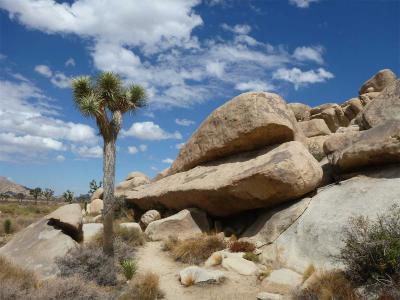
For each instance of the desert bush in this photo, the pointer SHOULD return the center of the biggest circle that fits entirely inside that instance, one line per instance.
(147, 287)
(7, 226)
(371, 254)
(197, 249)
(131, 236)
(8, 271)
(241, 246)
(251, 256)
(169, 243)
(71, 288)
(90, 263)
(327, 286)
(129, 268)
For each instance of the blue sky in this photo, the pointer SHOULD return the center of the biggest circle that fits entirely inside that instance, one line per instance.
(191, 55)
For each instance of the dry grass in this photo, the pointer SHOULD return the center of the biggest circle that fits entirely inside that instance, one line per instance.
(9, 271)
(132, 237)
(147, 287)
(197, 249)
(241, 246)
(308, 272)
(327, 286)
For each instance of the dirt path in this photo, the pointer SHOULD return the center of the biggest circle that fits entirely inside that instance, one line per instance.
(151, 257)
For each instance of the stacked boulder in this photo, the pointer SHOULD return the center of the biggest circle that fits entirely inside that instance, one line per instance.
(247, 154)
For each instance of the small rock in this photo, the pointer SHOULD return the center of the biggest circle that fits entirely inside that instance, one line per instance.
(131, 226)
(282, 281)
(239, 265)
(150, 216)
(268, 296)
(214, 260)
(194, 275)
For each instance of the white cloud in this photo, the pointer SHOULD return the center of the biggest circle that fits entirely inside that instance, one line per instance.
(254, 85)
(300, 78)
(168, 161)
(215, 68)
(87, 152)
(184, 122)
(133, 150)
(179, 146)
(60, 158)
(302, 3)
(43, 70)
(70, 62)
(309, 53)
(154, 168)
(61, 81)
(149, 131)
(30, 124)
(238, 28)
(143, 147)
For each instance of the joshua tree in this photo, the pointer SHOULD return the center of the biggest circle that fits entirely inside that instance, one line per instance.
(36, 193)
(106, 100)
(68, 196)
(48, 194)
(93, 186)
(20, 197)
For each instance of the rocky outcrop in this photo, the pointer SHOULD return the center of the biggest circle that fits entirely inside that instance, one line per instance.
(314, 127)
(149, 216)
(332, 114)
(383, 108)
(250, 180)
(317, 235)
(95, 207)
(249, 121)
(315, 146)
(301, 111)
(37, 246)
(133, 180)
(378, 82)
(184, 224)
(376, 146)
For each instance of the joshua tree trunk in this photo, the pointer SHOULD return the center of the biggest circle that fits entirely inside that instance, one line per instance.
(108, 195)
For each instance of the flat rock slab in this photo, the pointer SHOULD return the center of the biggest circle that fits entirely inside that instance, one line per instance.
(239, 265)
(316, 237)
(249, 121)
(247, 181)
(37, 246)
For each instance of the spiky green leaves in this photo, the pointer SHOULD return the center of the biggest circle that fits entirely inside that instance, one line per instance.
(109, 86)
(90, 105)
(137, 95)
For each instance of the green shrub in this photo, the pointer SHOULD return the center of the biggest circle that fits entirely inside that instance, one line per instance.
(129, 268)
(7, 226)
(371, 254)
(251, 256)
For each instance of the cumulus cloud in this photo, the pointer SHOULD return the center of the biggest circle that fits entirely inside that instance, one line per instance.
(70, 62)
(152, 43)
(168, 161)
(133, 150)
(44, 70)
(30, 123)
(302, 3)
(302, 78)
(254, 85)
(87, 152)
(184, 122)
(143, 147)
(56, 78)
(309, 53)
(60, 158)
(149, 131)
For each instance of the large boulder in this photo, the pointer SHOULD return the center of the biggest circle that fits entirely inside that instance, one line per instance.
(150, 216)
(95, 207)
(133, 180)
(378, 82)
(91, 230)
(271, 223)
(301, 111)
(314, 127)
(385, 107)
(352, 108)
(333, 116)
(37, 246)
(316, 237)
(315, 145)
(136, 175)
(250, 180)
(355, 150)
(249, 121)
(184, 224)
(98, 194)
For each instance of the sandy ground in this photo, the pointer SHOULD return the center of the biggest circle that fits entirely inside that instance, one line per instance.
(151, 257)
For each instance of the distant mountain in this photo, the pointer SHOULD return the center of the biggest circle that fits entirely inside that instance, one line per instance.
(7, 186)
